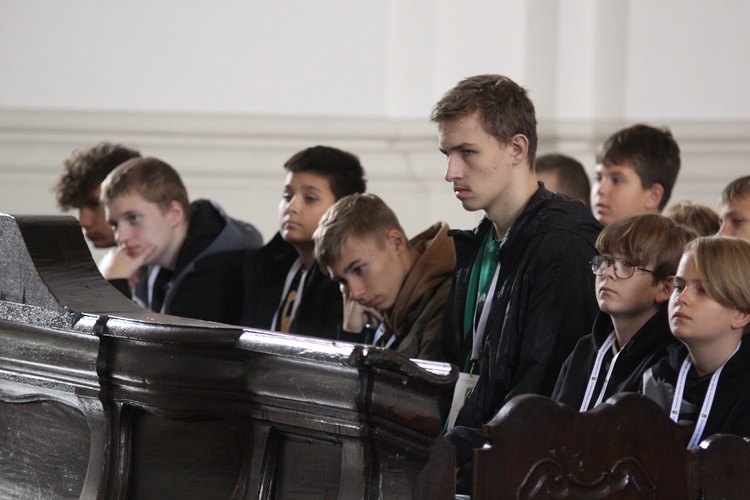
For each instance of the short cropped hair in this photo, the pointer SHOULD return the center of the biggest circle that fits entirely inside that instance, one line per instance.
(504, 108)
(700, 218)
(738, 188)
(154, 180)
(571, 175)
(86, 169)
(652, 152)
(723, 264)
(646, 238)
(342, 169)
(359, 216)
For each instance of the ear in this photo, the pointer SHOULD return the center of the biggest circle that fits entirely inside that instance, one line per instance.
(520, 148)
(397, 239)
(176, 212)
(741, 319)
(664, 290)
(654, 195)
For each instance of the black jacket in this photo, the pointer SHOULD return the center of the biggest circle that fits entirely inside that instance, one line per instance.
(646, 348)
(730, 413)
(207, 280)
(322, 308)
(543, 304)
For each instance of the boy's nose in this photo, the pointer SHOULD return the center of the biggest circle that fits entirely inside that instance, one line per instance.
(453, 170)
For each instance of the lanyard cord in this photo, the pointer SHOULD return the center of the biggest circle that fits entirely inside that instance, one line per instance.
(481, 325)
(608, 343)
(708, 400)
(287, 285)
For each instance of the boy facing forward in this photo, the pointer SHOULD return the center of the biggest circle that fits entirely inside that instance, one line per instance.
(398, 285)
(637, 256)
(285, 290)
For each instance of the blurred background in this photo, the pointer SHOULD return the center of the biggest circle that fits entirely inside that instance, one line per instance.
(227, 90)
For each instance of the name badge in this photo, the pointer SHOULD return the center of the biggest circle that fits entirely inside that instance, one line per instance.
(464, 385)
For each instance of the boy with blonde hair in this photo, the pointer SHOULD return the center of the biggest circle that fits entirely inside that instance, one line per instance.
(397, 285)
(706, 378)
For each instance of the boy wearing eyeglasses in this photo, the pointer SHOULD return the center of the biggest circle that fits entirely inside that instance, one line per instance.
(638, 254)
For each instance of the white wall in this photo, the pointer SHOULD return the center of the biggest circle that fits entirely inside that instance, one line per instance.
(227, 90)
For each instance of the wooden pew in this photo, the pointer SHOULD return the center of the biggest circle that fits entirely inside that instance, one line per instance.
(100, 399)
(627, 448)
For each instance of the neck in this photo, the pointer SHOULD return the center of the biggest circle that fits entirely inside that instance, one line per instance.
(307, 254)
(709, 356)
(510, 204)
(169, 259)
(627, 326)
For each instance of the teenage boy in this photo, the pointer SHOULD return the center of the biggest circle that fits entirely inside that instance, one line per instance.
(734, 210)
(398, 285)
(79, 187)
(636, 169)
(285, 291)
(522, 294)
(565, 175)
(195, 246)
(638, 254)
(706, 379)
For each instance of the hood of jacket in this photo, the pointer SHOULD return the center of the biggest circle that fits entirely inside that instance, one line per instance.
(432, 268)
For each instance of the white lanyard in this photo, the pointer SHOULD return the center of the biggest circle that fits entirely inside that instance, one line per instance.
(708, 400)
(606, 346)
(287, 285)
(479, 327)
(379, 333)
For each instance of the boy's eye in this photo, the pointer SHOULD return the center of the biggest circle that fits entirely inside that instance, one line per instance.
(311, 199)
(357, 270)
(467, 152)
(627, 264)
(286, 197)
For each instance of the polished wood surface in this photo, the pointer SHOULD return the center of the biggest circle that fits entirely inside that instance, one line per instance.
(100, 399)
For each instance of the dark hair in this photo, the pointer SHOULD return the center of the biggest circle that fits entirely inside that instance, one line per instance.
(738, 188)
(86, 169)
(342, 169)
(644, 238)
(652, 152)
(571, 175)
(154, 180)
(504, 106)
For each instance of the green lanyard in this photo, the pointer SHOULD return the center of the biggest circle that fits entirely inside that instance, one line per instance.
(480, 281)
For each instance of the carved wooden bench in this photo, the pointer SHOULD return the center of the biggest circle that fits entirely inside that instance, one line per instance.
(100, 399)
(627, 448)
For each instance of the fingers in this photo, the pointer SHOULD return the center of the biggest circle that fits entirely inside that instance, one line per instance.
(117, 264)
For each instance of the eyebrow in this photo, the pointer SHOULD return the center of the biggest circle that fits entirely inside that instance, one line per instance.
(458, 146)
(351, 265)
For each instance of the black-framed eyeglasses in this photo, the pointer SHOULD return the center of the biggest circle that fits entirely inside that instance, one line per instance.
(624, 269)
